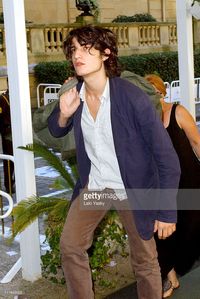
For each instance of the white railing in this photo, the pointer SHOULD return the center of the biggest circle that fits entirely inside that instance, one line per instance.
(10, 202)
(173, 95)
(51, 93)
(5, 194)
(47, 93)
(173, 90)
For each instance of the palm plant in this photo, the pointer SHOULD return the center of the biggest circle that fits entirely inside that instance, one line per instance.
(26, 211)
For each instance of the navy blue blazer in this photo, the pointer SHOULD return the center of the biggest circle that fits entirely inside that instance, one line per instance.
(146, 157)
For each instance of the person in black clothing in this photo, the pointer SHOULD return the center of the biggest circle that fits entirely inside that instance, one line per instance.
(178, 253)
(6, 136)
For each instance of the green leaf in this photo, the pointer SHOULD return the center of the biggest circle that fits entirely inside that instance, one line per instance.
(28, 210)
(52, 159)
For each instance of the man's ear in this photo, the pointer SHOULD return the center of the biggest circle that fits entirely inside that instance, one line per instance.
(107, 53)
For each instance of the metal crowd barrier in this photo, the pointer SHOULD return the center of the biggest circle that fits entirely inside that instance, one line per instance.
(46, 93)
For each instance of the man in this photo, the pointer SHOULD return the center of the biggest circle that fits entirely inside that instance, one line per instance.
(121, 147)
(6, 136)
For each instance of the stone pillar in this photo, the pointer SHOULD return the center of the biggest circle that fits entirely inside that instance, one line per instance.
(164, 35)
(37, 40)
(133, 36)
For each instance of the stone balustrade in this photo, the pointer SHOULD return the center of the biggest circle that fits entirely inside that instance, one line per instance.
(44, 42)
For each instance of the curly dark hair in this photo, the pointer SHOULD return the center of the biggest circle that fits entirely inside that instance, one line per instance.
(99, 38)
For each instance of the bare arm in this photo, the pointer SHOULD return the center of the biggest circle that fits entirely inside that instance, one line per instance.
(187, 123)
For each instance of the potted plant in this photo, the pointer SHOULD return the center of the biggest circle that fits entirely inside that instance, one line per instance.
(86, 6)
(195, 9)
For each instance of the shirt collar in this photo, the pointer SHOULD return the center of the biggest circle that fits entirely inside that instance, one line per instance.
(104, 97)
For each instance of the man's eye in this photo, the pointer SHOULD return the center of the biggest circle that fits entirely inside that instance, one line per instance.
(86, 48)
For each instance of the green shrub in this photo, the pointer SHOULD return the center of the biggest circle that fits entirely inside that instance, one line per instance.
(164, 64)
(136, 18)
(53, 72)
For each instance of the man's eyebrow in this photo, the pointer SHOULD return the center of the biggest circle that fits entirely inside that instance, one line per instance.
(72, 47)
(84, 44)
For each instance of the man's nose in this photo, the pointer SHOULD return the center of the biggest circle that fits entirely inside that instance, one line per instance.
(77, 53)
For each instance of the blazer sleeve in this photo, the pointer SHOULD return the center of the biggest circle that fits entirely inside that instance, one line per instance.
(54, 127)
(157, 139)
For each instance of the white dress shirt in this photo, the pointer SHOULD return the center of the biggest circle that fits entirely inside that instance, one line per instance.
(99, 145)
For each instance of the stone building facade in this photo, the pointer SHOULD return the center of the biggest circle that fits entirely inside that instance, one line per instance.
(65, 11)
(48, 20)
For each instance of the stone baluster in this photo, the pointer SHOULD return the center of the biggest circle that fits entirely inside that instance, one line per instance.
(157, 35)
(59, 39)
(47, 39)
(52, 39)
(122, 39)
(172, 35)
(28, 38)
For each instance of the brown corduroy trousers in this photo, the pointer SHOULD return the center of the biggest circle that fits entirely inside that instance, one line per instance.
(77, 237)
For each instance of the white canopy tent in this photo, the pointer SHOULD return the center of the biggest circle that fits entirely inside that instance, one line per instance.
(21, 111)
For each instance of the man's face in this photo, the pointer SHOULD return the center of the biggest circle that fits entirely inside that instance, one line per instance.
(86, 60)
